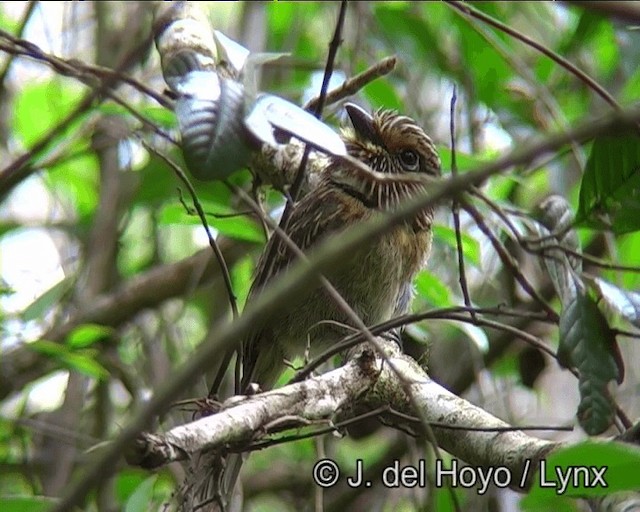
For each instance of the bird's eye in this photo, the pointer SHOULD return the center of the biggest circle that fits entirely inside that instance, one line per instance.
(409, 160)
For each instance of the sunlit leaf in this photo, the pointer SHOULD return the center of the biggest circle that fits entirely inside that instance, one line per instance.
(87, 334)
(82, 361)
(240, 227)
(27, 503)
(242, 275)
(143, 495)
(85, 363)
(432, 289)
(41, 105)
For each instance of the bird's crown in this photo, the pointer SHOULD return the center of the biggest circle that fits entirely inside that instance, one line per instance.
(390, 142)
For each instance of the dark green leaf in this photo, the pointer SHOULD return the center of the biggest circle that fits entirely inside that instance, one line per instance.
(611, 185)
(487, 67)
(587, 342)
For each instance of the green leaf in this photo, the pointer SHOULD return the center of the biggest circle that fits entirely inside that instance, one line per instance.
(621, 474)
(87, 334)
(470, 246)
(380, 92)
(82, 361)
(143, 495)
(488, 69)
(85, 363)
(77, 180)
(240, 227)
(464, 162)
(39, 307)
(611, 185)
(418, 36)
(241, 279)
(27, 503)
(587, 342)
(631, 90)
(40, 106)
(432, 289)
(49, 348)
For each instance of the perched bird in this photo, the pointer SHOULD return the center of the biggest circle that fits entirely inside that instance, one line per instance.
(375, 280)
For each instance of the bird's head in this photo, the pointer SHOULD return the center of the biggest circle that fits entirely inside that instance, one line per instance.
(400, 161)
(389, 142)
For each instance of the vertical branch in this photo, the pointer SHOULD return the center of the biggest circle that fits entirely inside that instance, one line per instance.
(455, 208)
(299, 178)
(224, 270)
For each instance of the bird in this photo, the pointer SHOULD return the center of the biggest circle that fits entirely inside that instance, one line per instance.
(394, 160)
(376, 280)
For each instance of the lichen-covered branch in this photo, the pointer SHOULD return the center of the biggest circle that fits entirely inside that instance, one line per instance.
(365, 379)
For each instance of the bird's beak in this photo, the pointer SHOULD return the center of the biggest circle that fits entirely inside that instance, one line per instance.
(362, 123)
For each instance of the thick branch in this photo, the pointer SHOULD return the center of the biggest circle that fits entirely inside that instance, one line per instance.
(363, 379)
(312, 399)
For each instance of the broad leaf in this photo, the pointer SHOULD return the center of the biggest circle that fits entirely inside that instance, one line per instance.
(621, 474)
(587, 342)
(610, 188)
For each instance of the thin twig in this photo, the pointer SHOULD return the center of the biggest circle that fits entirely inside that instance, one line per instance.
(353, 85)
(214, 246)
(507, 259)
(468, 10)
(26, 16)
(270, 253)
(455, 207)
(461, 314)
(76, 68)
(19, 169)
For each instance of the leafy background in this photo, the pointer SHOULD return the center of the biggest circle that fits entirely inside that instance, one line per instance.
(96, 215)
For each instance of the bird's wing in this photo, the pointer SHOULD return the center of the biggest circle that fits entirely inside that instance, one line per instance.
(318, 215)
